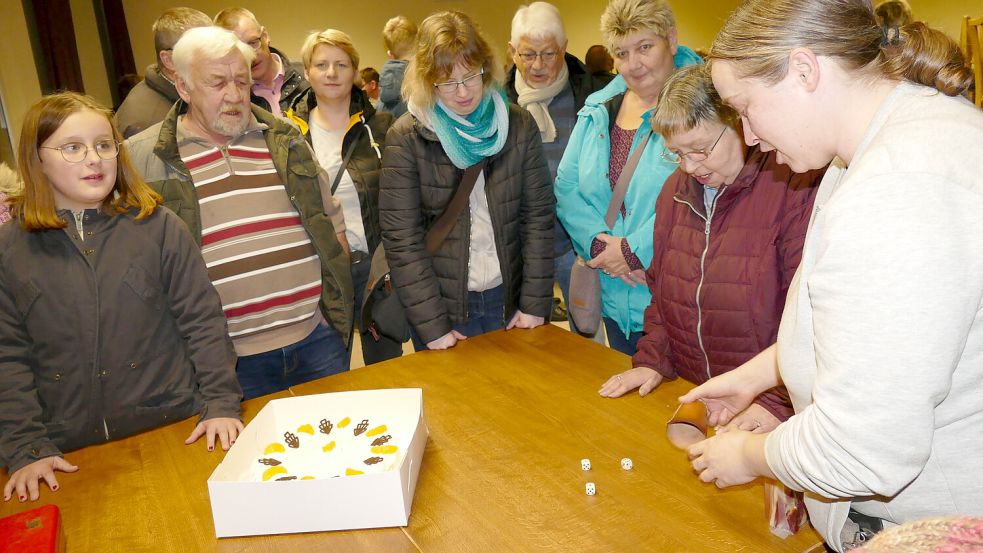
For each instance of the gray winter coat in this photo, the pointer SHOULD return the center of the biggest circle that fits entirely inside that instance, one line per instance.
(106, 336)
(419, 180)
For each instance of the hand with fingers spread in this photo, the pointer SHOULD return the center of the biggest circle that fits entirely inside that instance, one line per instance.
(224, 428)
(728, 394)
(24, 481)
(610, 260)
(447, 341)
(643, 378)
(730, 459)
(523, 320)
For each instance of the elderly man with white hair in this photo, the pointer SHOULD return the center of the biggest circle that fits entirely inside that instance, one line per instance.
(250, 190)
(553, 85)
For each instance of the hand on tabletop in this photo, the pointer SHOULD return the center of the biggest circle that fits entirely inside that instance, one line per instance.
(225, 428)
(730, 459)
(523, 320)
(755, 419)
(643, 378)
(725, 396)
(610, 260)
(447, 341)
(24, 481)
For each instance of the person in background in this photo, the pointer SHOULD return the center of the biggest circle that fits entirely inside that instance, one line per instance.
(250, 189)
(150, 100)
(893, 13)
(881, 341)
(10, 185)
(553, 85)
(110, 326)
(613, 122)
(599, 62)
(338, 120)
(399, 37)
(368, 79)
(495, 268)
(730, 210)
(277, 83)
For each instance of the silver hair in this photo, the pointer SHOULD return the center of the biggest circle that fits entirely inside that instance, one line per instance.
(206, 43)
(538, 21)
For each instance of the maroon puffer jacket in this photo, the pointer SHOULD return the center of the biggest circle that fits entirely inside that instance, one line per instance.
(719, 285)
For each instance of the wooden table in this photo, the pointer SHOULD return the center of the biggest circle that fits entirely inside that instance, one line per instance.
(510, 416)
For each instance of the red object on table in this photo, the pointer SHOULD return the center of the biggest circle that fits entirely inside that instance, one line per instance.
(35, 531)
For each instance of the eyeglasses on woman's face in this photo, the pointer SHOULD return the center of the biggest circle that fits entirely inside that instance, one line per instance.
(695, 156)
(76, 152)
(472, 82)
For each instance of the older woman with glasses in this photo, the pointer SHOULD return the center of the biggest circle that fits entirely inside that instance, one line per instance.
(612, 125)
(729, 227)
(494, 269)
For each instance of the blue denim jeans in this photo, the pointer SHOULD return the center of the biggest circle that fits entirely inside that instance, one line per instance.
(321, 354)
(617, 340)
(486, 312)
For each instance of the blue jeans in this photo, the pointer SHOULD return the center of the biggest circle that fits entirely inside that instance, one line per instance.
(486, 312)
(617, 340)
(321, 354)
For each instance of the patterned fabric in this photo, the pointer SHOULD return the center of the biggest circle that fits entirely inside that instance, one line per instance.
(258, 255)
(467, 140)
(621, 140)
(4, 209)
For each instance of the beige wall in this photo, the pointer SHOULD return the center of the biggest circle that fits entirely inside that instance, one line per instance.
(18, 77)
(94, 72)
(698, 22)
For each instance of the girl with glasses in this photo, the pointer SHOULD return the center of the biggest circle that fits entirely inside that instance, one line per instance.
(108, 323)
(729, 226)
(495, 267)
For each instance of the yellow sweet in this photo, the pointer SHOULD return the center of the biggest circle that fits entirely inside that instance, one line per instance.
(344, 422)
(384, 449)
(307, 478)
(306, 429)
(273, 471)
(275, 447)
(353, 472)
(376, 431)
(328, 447)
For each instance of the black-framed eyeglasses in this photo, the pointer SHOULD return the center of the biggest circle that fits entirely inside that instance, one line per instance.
(474, 81)
(530, 57)
(695, 156)
(76, 152)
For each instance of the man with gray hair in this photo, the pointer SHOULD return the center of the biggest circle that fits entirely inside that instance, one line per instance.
(553, 85)
(247, 185)
(152, 98)
(277, 83)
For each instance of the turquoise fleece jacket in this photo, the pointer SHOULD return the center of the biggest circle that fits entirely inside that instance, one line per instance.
(583, 193)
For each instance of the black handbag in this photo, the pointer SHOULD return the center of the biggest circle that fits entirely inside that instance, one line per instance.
(382, 311)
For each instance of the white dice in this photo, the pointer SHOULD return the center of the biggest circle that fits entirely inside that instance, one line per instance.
(626, 463)
(591, 489)
(585, 464)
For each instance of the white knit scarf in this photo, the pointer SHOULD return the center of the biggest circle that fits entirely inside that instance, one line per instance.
(537, 100)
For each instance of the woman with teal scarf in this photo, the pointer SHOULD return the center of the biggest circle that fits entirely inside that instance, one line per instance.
(611, 126)
(495, 268)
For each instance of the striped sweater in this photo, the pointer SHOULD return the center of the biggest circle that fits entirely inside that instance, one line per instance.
(258, 255)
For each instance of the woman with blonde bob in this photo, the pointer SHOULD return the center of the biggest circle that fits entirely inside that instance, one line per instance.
(109, 323)
(494, 269)
(612, 125)
(881, 341)
(729, 211)
(347, 135)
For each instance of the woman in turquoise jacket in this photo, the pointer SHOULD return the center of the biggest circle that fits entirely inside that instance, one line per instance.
(613, 122)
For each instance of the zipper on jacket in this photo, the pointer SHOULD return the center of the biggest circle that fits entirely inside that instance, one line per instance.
(79, 227)
(707, 220)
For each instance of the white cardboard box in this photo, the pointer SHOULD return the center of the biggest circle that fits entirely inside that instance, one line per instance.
(245, 506)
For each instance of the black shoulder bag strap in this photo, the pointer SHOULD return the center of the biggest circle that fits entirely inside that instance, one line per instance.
(445, 224)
